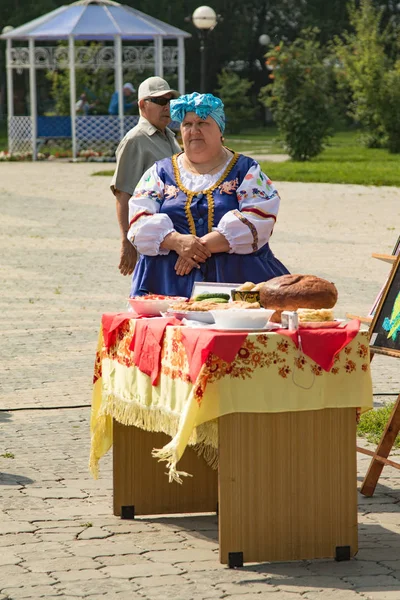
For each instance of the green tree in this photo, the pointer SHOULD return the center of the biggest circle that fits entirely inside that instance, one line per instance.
(300, 96)
(234, 42)
(233, 91)
(389, 108)
(361, 67)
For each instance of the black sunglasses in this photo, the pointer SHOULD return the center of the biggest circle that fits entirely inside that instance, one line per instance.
(160, 101)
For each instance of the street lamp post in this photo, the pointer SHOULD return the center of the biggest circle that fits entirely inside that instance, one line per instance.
(205, 19)
(264, 39)
(10, 100)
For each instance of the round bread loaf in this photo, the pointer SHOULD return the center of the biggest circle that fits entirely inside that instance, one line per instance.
(290, 292)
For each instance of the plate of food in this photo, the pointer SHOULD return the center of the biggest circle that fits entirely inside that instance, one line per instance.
(202, 307)
(153, 304)
(322, 318)
(198, 308)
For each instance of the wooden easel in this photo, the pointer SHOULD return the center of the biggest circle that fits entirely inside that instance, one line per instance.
(380, 456)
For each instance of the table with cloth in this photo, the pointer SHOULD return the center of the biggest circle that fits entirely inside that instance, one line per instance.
(274, 413)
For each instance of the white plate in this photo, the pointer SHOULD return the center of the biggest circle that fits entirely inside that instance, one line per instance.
(268, 327)
(192, 315)
(142, 306)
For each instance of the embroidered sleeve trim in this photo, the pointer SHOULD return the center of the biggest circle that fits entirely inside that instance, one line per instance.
(208, 192)
(139, 215)
(260, 213)
(250, 226)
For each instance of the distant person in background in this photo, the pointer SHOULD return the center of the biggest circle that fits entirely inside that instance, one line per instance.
(128, 90)
(148, 141)
(83, 106)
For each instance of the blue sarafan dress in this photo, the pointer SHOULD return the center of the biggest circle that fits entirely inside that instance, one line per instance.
(240, 202)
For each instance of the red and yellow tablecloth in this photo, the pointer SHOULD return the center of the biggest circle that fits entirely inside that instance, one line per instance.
(268, 373)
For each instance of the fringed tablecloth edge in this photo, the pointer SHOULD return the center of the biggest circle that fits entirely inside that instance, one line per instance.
(204, 439)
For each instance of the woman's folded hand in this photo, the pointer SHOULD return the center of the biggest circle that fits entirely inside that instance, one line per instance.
(187, 246)
(183, 266)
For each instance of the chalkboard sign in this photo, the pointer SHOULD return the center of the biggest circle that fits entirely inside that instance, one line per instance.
(395, 252)
(385, 326)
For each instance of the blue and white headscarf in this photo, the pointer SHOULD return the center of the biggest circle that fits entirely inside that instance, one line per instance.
(204, 105)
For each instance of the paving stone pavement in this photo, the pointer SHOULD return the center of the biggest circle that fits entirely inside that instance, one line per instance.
(59, 253)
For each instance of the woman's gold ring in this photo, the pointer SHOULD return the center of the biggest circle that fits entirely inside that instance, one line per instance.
(194, 256)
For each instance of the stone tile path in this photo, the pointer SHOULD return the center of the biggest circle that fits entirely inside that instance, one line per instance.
(58, 271)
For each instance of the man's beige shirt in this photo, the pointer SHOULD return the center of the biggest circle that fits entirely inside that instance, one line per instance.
(138, 151)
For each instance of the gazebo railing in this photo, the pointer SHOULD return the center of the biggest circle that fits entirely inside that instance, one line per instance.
(100, 133)
(138, 58)
(20, 135)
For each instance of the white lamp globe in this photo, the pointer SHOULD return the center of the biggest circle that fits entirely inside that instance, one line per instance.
(204, 17)
(264, 39)
(7, 29)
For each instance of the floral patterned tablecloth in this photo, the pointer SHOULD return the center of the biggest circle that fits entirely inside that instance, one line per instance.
(268, 374)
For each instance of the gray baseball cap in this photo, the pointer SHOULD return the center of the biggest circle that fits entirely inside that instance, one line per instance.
(153, 87)
(129, 86)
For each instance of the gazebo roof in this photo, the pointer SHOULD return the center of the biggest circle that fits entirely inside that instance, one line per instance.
(95, 20)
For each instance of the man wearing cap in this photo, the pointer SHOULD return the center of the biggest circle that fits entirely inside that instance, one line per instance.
(148, 141)
(127, 90)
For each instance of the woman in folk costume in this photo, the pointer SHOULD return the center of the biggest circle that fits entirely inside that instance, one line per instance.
(205, 214)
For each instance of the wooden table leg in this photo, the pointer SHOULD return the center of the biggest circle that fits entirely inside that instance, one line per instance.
(140, 481)
(287, 485)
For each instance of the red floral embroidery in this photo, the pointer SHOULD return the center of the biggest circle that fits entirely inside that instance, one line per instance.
(300, 361)
(284, 371)
(362, 350)
(350, 366)
(316, 369)
(97, 368)
(263, 340)
(256, 358)
(174, 361)
(283, 346)
(252, 355)
(249, 358)
(347, 350)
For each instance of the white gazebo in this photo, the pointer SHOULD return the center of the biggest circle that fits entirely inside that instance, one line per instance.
(89, 20)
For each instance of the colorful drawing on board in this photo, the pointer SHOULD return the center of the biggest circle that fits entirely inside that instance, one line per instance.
(392, 325)
(395, 252)
(385, 326)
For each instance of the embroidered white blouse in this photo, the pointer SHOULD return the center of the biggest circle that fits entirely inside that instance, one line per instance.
(256, 191)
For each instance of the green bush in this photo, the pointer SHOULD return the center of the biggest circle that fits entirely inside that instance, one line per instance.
(300, 95)
(389, 108)
(233, 91)
(372, 424)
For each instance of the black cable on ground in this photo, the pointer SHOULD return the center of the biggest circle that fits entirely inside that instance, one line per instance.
(44, 407)
(89, 405)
